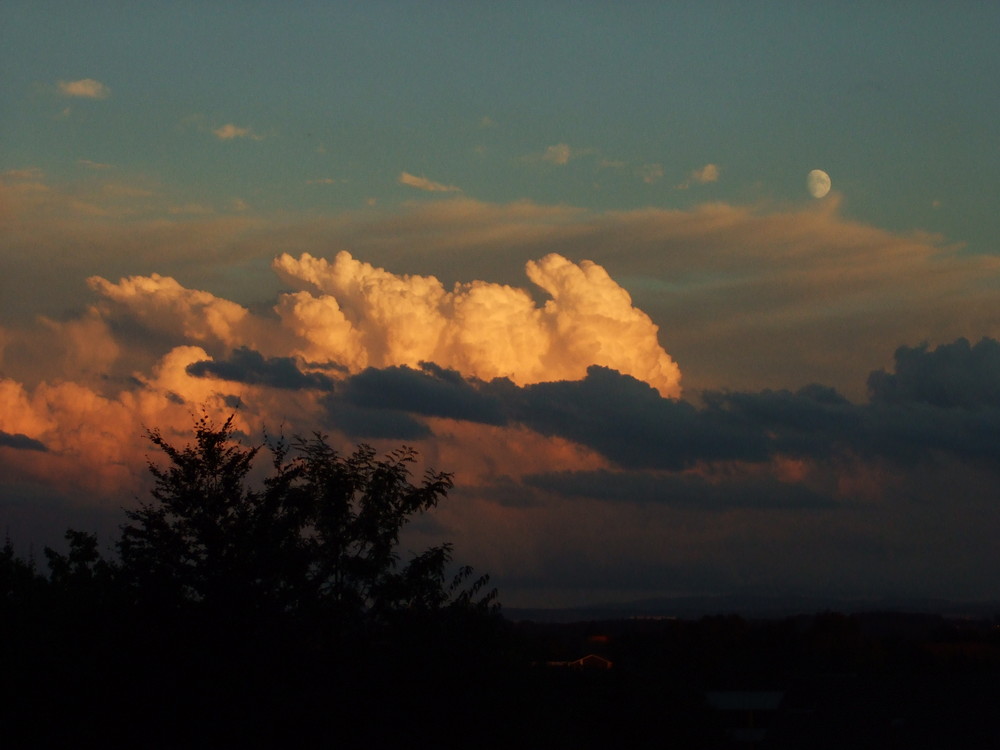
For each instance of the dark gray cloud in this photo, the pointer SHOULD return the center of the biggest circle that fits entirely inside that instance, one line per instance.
(944, 401)
(21, 442)
(431, 391)
(955, 375)
(250, 367)
(630, 423)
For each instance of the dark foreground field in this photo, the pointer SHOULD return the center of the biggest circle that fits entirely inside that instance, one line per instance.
(84, 675)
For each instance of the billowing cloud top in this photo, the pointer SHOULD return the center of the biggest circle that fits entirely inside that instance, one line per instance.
(350, 312)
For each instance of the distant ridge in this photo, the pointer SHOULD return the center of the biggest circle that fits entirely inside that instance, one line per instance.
(752, 607)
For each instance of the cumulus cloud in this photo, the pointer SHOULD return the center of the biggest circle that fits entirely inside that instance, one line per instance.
(951, 375)
(85, 88)
(229, 131)
(161, 304)
(422, 183)
(361, 316)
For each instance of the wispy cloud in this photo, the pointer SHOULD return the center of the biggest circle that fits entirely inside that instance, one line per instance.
(422, 183)
(92, 164)
(229, 131)
(85, 88)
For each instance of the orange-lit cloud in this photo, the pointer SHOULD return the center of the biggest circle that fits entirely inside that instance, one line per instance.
(359, 315)
(161, 304)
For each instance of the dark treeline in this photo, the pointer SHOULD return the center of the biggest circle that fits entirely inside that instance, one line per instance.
(279, 613)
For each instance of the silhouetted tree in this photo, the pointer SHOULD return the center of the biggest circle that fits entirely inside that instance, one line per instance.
(320, 534)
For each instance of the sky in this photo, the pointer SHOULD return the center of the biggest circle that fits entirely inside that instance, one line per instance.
(566, 251)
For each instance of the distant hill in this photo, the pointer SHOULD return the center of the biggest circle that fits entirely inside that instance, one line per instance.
(750, 606)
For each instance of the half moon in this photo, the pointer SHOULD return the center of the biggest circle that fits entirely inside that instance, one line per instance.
(818, 183)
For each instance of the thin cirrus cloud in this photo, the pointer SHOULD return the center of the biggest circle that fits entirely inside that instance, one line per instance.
(422, 183)
(85, 88)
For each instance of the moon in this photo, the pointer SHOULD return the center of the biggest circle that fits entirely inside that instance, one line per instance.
(818, 183)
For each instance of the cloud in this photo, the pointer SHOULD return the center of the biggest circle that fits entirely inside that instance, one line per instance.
(93, 164)
(161, 304)
(564, 470)
(634, 427)
(430, 391)
(701, 176)
(229, 131)
(708, 173)
(85, 88)
(746, 297)
(247, 366)
(422, 183)
(954, 375)
(20, 442)
(361, 316)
